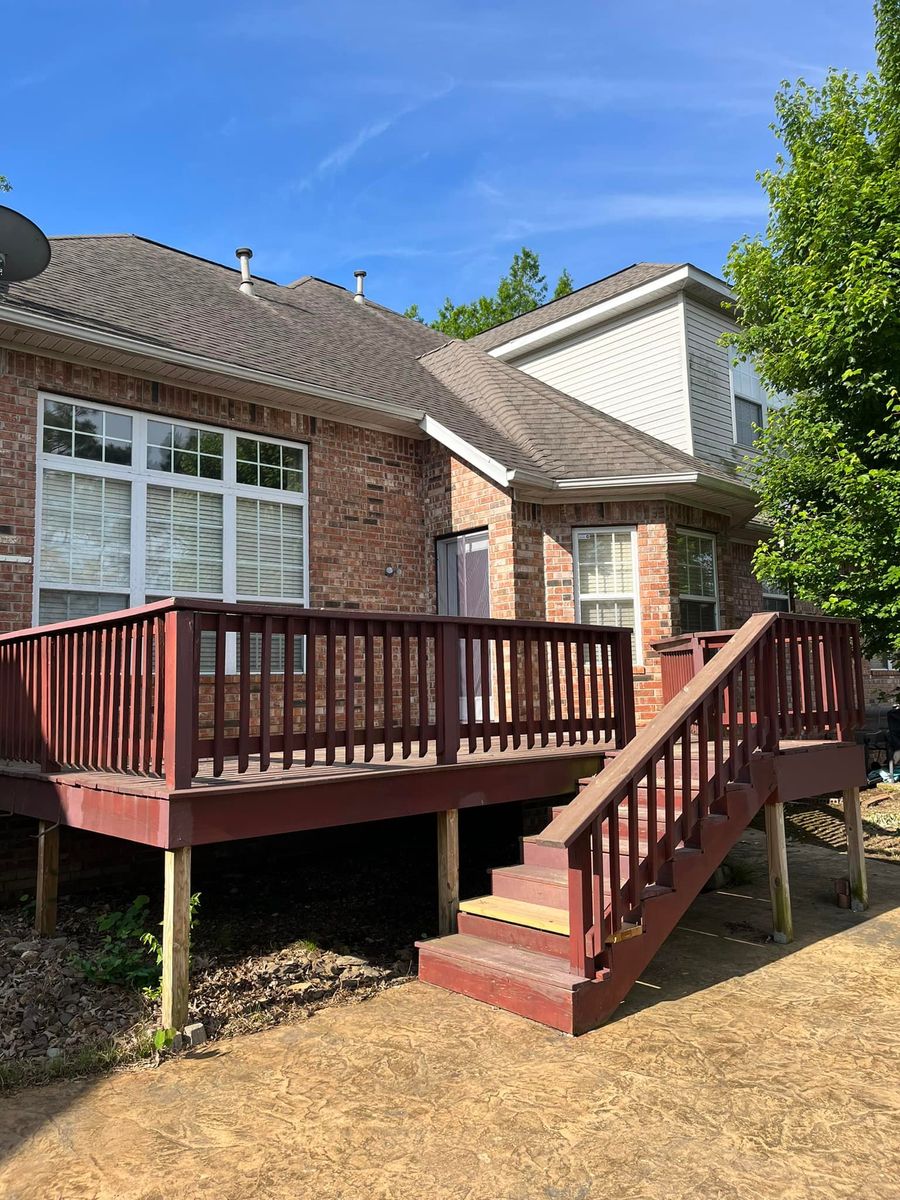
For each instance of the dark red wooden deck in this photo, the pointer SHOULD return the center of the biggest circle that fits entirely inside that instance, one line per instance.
(153, 725)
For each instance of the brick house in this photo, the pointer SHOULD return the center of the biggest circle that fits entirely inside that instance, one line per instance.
(179, 434)
(220, 492)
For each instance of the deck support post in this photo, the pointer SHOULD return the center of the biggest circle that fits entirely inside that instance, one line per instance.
(176, 937)
(47, 879)
(448, 869)
(779, 883)
(859, 887)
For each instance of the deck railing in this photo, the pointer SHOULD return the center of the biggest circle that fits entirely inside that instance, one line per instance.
(778, 676)
(160, 690)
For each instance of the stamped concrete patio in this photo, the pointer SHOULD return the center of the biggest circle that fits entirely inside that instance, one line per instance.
(739, 1069)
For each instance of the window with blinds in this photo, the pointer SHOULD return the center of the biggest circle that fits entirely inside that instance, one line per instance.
(133, 507)
(605, 568)
(697, 582)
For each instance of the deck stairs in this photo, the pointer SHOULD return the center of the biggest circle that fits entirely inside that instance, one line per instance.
(564, 934)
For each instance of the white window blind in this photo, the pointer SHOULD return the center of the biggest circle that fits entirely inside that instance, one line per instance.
(606, 580)
(85, 531)
(184, 542)
(270, 551)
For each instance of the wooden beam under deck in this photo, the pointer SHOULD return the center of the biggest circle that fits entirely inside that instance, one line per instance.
(273, 802)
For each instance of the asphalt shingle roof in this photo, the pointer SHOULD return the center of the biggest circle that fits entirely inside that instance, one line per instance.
(313, 333)
(565, 306)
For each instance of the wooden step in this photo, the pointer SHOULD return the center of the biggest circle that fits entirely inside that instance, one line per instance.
(526, 982)
(519, 912)
(534, 885)
(526, 937)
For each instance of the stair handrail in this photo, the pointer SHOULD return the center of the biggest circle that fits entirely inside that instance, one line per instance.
(629, 764)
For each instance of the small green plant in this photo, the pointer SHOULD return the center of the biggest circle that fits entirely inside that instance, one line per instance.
(130, 954)
(163, 1039)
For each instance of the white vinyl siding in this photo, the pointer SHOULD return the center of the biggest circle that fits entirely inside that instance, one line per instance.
(134, 508)
(709, 373)
(606, 580)
(631, 368)
(698, 587)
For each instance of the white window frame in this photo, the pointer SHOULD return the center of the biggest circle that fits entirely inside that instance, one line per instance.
(769, 593)
(634, 595)
(683, 531)
(140, 477)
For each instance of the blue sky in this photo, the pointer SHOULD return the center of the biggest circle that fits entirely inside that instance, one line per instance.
(423, 142)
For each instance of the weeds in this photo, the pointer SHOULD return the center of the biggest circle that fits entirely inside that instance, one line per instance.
(130, 954)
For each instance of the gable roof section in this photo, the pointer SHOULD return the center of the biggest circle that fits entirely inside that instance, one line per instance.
(313, 334)
(555, 310)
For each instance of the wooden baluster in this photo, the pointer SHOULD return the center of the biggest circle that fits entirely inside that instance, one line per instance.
(244, 698)
(330, 691)
(405, 691)
(287, 708)
(350, 692)
(484, 663)
(669, 799)
(782, 704)
(180, 670)
(159, 693)
(606, 653)
(580, 892)
(387, 647)
(309, 738)
(595, 699)
(502, 724)
(369, 715)
(819, 724)
(104, 706)
(470, 688)
(718, 742)
(565, 645)
(124, 714)
(218, 732)
(543, 688)
(652, 831)
(599, 899)
(135, 658)
(634, 847)
(528, 669)
(446, 695)
(195, 691)
(746, 716)
(615, 879)
(422, 638)
(843, 676)
(265, 696)
(582, 688)
(732, 705)
(859, 713)
(703, 759)
(826, 666)
(514, 694)
(555, 646)
(791, 638)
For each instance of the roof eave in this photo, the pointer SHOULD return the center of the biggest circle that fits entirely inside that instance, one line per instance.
(682, 278)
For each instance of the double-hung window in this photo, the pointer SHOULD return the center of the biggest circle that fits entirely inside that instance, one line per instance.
(750, 399)
(606, 582)
(775, 598)
(134, 508)
(698, 593)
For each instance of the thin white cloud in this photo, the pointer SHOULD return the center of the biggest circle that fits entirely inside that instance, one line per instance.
(338, 157)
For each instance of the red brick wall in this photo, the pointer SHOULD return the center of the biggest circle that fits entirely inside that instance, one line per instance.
(366, 493)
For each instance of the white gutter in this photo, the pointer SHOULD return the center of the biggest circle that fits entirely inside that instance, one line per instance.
(198, 362)
(665, 285)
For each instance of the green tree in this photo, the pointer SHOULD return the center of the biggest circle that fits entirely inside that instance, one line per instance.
(5, 185)
(819, 303)
(523, 288)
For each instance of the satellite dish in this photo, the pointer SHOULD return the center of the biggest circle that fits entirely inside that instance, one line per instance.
(24, 251)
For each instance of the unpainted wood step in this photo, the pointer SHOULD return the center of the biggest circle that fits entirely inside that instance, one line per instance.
(549, 918)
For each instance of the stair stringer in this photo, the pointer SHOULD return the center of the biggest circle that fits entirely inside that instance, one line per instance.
(688, 872)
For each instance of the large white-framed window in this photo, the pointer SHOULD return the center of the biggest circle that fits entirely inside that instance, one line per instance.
(605, 568)
(133, 507)
(698, 584)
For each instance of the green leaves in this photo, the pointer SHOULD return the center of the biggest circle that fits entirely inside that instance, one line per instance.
(519, 291)
(819, 302)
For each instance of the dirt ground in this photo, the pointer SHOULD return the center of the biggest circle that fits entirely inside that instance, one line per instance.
(737, 1068)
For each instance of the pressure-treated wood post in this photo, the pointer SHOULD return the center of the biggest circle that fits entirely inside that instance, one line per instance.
(859, 888)
(47, 879)
(176, 937)
(448, 869)
(779, 884)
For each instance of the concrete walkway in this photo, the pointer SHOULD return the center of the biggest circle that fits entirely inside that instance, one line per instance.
(738, 1069)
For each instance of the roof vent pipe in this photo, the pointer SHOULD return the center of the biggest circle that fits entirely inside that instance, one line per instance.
(360, 296)
(244, 254)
